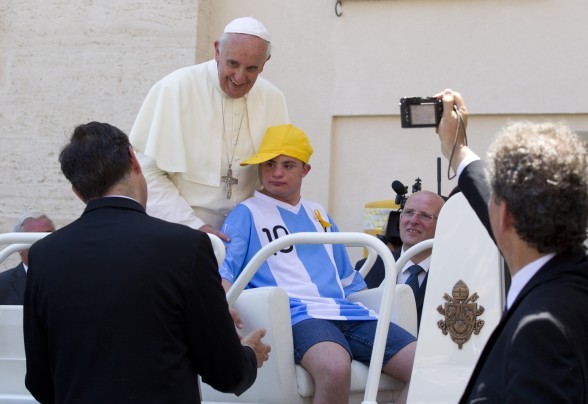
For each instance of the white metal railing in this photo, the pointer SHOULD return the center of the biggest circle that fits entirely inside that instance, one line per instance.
(21, 241)
(17, 242)
(218, 247)
(369, 261)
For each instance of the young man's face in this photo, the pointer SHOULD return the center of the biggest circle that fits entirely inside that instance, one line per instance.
(240, 60)
(281, 178)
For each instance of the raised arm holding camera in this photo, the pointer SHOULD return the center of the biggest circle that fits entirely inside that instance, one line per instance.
(533, 198)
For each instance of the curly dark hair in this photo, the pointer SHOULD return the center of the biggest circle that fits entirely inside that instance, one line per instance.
(96, 158)
(541, 172)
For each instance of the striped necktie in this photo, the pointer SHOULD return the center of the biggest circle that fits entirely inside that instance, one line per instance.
(413, 279)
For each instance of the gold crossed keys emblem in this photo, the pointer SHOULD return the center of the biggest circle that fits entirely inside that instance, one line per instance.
(461, 313)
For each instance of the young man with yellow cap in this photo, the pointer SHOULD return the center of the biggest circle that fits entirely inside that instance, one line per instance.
(328, 329)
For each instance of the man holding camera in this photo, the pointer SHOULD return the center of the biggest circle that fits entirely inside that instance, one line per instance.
(533, 196)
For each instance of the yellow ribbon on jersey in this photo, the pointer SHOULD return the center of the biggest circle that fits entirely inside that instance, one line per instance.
(323, 223)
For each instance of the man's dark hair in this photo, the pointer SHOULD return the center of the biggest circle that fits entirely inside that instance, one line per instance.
(96, 158)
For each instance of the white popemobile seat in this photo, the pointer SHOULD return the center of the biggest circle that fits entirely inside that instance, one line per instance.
(462, 251)
(280, 380)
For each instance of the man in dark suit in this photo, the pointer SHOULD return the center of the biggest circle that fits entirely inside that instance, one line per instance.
(121, 307)
(534, 201)
(13, 281)
(418, 222)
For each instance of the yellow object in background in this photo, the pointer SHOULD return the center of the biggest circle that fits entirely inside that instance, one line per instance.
(375, 216)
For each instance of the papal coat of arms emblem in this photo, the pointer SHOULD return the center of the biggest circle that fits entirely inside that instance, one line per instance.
(461, 314)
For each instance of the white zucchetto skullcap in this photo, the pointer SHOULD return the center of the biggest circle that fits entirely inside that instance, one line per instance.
(249, 26)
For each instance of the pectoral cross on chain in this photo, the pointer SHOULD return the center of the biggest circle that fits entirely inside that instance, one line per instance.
(230, 181)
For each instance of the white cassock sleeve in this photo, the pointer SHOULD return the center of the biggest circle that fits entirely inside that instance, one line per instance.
(164, 197)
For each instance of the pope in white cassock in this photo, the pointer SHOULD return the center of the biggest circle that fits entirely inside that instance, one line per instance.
(199, 122)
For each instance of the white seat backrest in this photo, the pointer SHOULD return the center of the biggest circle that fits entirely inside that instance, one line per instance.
(462, 251)
(12, 355)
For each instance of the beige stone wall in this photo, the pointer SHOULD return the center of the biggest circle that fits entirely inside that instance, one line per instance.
(63, 63)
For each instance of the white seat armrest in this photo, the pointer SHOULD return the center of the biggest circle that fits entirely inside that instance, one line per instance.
(12, 357)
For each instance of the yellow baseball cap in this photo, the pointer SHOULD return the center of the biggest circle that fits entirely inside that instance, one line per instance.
(282, 139)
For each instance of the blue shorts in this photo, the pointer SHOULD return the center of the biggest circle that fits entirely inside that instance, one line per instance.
(357, 337)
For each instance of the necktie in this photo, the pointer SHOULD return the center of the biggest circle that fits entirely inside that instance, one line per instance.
(413, 279)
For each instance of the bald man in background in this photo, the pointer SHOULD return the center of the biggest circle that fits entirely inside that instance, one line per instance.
(418, 222)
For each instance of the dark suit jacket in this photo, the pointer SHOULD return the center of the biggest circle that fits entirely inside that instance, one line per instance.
(12, 285)
(376, 275)
(538, 353)
(121, 307)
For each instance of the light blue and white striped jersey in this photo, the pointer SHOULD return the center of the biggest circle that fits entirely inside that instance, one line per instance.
(316, 277)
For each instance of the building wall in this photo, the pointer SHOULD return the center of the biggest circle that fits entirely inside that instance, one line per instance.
(343, 77)
(64, 63)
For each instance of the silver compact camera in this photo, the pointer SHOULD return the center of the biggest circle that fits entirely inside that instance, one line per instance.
(420, 112)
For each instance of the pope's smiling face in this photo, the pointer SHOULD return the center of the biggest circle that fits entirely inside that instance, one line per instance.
(240, 59)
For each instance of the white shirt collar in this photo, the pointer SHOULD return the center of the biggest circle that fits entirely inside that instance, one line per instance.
(522, 277)
(121, 196)
(425, 264)
(404, 273)
(465, 162)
